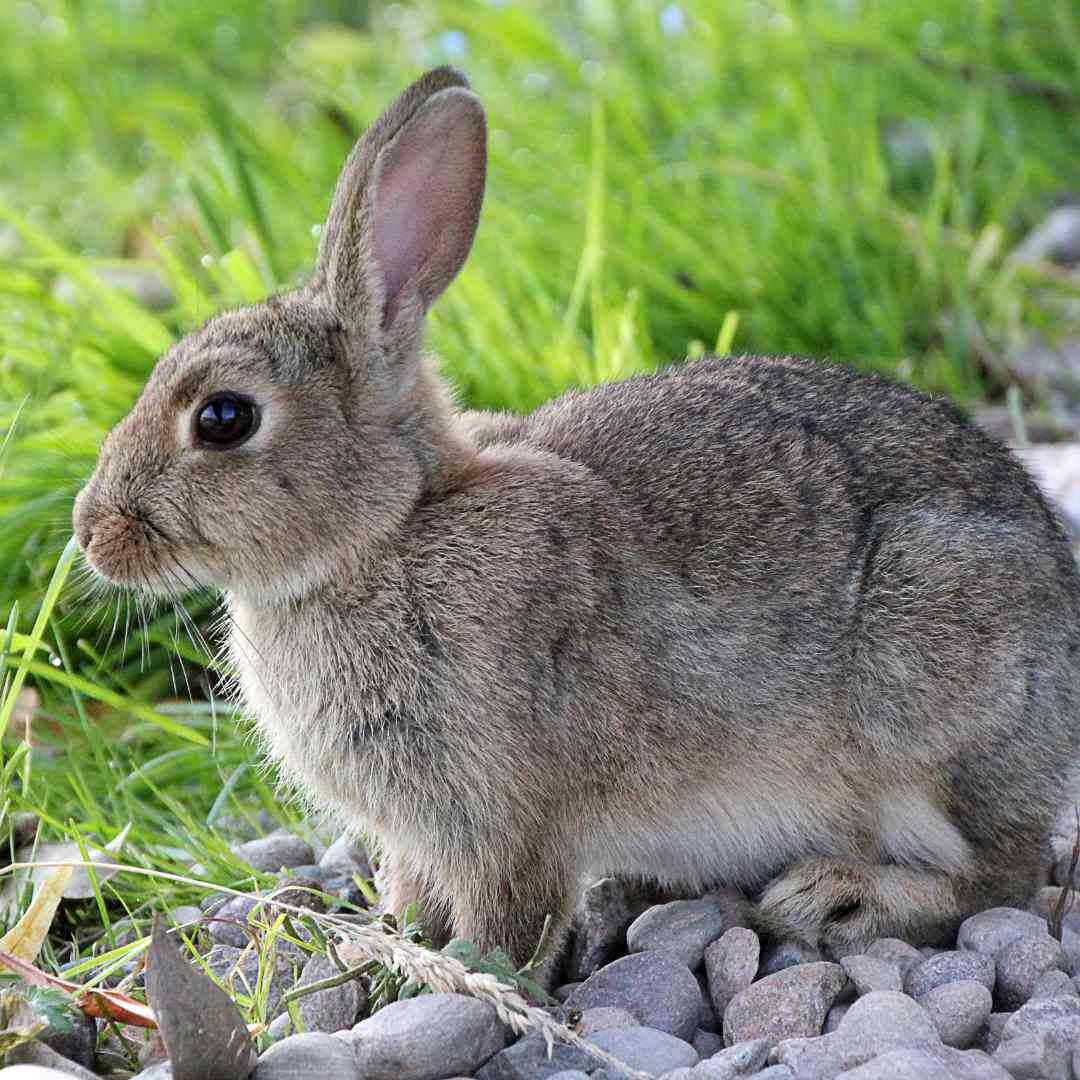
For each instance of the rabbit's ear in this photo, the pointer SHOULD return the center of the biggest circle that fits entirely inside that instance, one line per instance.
(406, 207)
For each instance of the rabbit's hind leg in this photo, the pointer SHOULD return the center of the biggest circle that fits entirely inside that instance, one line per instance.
(842, 905)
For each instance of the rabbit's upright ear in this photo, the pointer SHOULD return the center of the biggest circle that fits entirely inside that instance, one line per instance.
(406, 208)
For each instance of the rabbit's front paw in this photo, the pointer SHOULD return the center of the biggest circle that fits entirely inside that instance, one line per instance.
(825, 902)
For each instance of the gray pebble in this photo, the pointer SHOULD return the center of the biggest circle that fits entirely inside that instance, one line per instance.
(869, 973)
(683, 928)
(958, 1010)
(161, 1071)
(1053, 1015)
(895, 952)
(646, 1049)
(992, 930)
(1052, 984)
(427, 1037)
(301, 1057)
(707, 1043)
(1038, 1055)
(742, 1059)
(570, 1074)
(345, 856)
(45, 1061)
(239, 971)
(1020, 965)
(561, 993)
(280, 1028)
(947, 967)
(273, 852)
(789, 1004)
(78, 1043)
(775, 1072)
(875, 1024)
(527, 1059)
(778, 955)
(709, 1020)
(731, 962)
(991, 1034)
(661, 992)
(898, 1065)
(605, 1018)
(1056, 238)
(333, 1009)
(604, 912)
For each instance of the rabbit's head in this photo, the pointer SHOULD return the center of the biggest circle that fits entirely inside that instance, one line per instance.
(283, 442)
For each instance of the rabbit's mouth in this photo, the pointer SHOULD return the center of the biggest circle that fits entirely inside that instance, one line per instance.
(128, 549)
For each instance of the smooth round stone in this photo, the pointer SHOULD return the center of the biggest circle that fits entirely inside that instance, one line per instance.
(528, 1059)
(707, 1043)
(1052, 984)
(661, 992)
(787, 1005)
(1021, 964)
(427, 1037)
(605, 1018)
(868, 973)
(833, 1018)
(301, 1057)
(1057, 1016)
(947, 967)
(742, 1059)
(731, 962)
(682, 928)
(992, 930)
(646, 1049)
(333, 1009)
(785, 953)
(570, 1074)
(275, 852)
(895, 952)
(898, 1065)
(958, 1010)
(605, 910)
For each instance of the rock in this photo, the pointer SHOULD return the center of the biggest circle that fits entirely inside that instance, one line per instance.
(301, 1057)
(604, 1018)
(161, 1071)
(345, 856)
(661, 992)
(280, 1027)
(646, 1049)
(875, 1024)
(1039, 1055)
(333, 1009)
(527, 1059)
(790, 1004)
(37, 1055)
(775, 1072)
(1055, 1015)
(958, 1010)
(428, 1037)
(239, 972)
(895, 952)
(571, 1074)
(1052, 984)
(730, 965)
(947, 967)
(275, 852)
(898, 1065)
(1044, 901)
(682, 928)
(742, 1059)
(869, 973)
(778, 955)
(992, 930)
(1056, 238)
(1021, 964)
(77, 1044)
(605, 911)
(562, 993)
(707, 1043)
(185, 916)
(708, 1021)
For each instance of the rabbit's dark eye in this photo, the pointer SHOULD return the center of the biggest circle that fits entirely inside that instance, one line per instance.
(226, 420)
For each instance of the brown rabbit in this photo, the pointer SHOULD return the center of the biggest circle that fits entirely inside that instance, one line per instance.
(762, 622)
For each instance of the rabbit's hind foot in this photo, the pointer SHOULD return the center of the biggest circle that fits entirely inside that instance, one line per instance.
(842, 905)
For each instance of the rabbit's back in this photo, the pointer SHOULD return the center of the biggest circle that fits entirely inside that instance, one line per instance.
(752, 449)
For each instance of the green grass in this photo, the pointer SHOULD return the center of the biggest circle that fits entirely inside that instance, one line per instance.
(830, 177)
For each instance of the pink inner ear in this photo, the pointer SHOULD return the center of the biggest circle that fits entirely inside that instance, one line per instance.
(427, 199)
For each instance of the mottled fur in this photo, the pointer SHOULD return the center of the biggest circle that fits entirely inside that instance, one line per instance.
(765, 622)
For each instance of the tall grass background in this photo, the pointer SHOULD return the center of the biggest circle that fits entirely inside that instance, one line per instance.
(838, 178)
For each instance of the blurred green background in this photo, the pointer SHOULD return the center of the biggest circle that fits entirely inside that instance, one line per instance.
(837, 178)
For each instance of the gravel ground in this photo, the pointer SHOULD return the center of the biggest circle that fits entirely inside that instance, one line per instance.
(682, 990)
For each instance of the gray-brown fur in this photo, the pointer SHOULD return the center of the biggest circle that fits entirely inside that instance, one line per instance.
(759, 621)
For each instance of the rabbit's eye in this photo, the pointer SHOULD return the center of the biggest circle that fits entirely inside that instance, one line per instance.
(226, 420)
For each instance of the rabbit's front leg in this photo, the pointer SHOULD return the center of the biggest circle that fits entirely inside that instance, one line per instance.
(506, 907)
(400, 886)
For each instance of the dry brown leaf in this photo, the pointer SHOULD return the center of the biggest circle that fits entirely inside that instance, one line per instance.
(25, 938)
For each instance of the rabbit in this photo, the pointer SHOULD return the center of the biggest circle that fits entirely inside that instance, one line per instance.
(765, 623)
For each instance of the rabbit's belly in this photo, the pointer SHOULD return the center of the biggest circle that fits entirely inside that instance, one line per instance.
(730, 837)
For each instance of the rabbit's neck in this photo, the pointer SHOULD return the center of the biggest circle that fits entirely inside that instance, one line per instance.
(327, 680)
